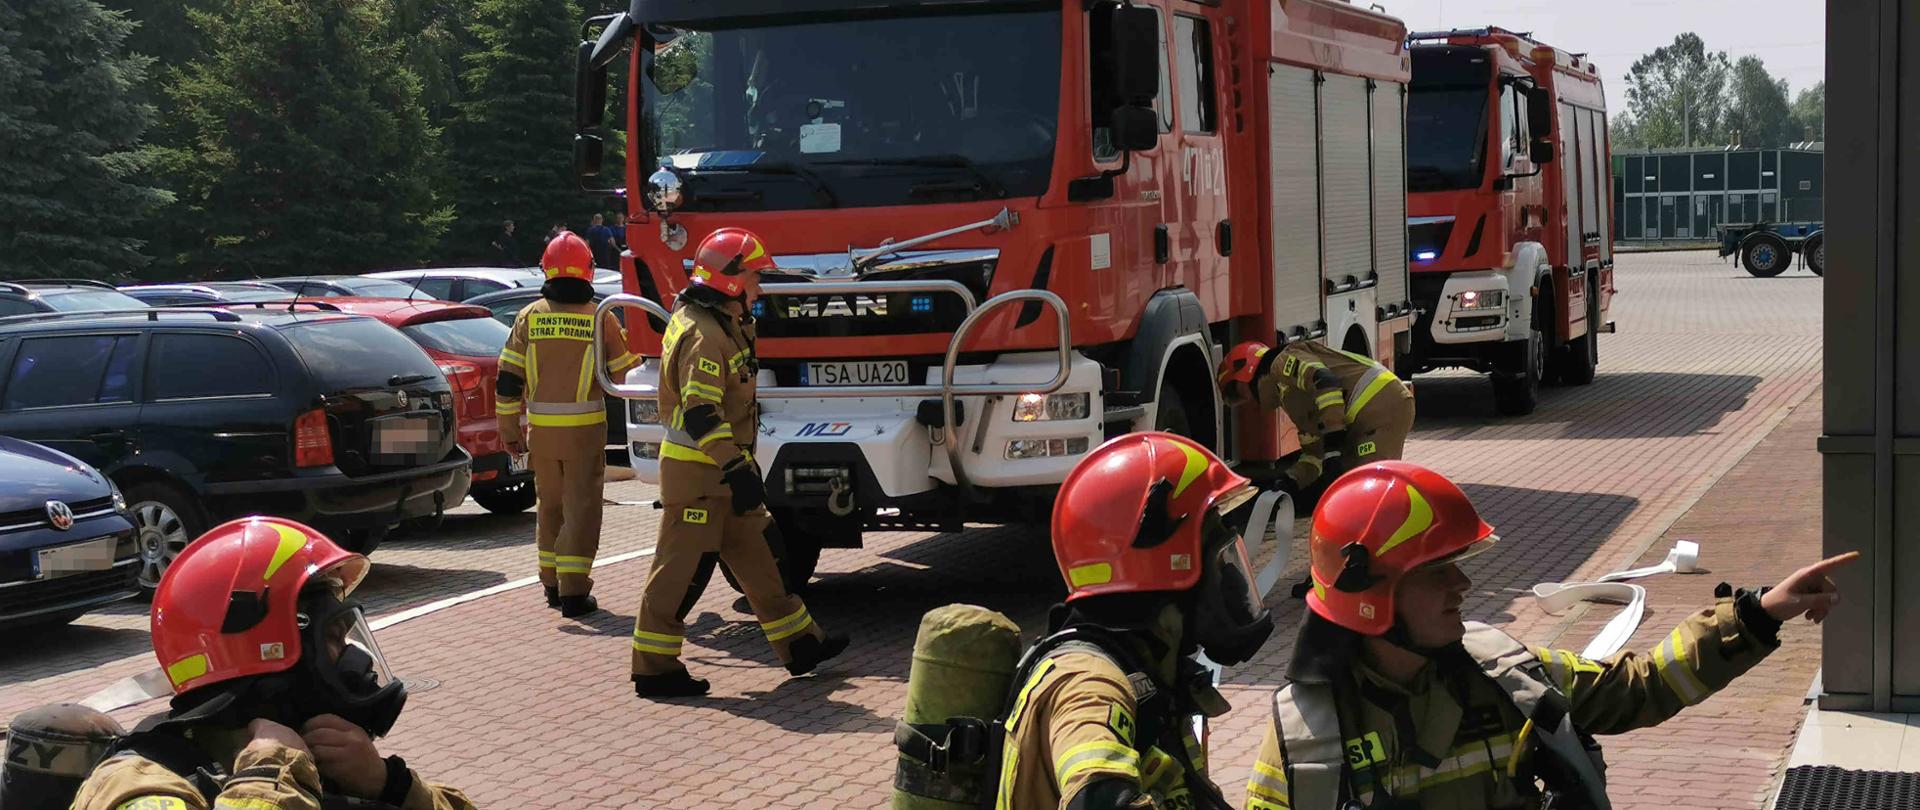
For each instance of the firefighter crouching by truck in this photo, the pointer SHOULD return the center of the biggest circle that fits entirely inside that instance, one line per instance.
(1394, 701)
(1107, 718)
(710, 485)
(1348, 408)
(546, 371)
(279, 690)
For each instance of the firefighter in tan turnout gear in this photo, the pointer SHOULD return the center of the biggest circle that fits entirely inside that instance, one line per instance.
(1393, 701)
(1348, 408)
(710, 485)
(546, 372)
(1109, 716)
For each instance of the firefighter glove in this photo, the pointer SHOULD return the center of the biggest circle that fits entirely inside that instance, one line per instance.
(749, 492)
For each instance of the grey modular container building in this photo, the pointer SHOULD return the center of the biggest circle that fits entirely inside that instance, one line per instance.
(1681, 194)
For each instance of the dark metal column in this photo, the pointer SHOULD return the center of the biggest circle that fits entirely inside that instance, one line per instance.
(1871, 446)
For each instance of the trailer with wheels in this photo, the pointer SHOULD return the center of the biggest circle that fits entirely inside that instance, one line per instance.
(1767, 249)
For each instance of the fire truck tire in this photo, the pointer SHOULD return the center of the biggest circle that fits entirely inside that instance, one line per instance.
(1582, 354)
(799, 550)
(1766, 255)
(1517, 393)
(1171, 416)
(1815, 251)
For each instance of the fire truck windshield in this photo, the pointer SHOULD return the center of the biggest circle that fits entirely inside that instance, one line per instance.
(1450, 150)
(859, 112)
(1447, 107)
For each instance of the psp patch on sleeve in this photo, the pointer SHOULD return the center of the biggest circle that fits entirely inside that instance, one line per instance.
(694, 516)
(1121, 721)
(709, 367)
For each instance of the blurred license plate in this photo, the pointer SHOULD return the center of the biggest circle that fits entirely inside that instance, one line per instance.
(861, 372)
(75, 558)
(405, 436)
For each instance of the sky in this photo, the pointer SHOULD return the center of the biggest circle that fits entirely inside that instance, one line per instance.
(1788, 35)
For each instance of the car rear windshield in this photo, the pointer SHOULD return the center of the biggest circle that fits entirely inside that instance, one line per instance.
(468, 337)
(375, 287)
(357, 353)
(83, 301)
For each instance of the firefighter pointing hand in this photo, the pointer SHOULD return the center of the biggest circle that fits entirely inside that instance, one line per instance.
(546, 371)
(710, 486)
(1394, 701)
(1349, 408)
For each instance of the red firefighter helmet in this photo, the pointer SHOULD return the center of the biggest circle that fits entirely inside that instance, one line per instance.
(567, 256)
(1376, 524)
(725, 257)
(228, 607)
(1239, 366)
(1129, 518)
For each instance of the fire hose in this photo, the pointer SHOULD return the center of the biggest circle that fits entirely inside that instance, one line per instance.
(1556, 597)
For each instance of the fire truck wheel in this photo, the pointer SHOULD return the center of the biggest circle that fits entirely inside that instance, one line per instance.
(1171, 416)
(1517, 393)
(1766, 255)
(1582, 354)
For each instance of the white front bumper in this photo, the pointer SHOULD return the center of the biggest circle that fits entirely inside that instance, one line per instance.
(1509, 322)
(902, 453)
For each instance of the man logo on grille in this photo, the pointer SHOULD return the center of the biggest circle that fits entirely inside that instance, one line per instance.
(60, 515)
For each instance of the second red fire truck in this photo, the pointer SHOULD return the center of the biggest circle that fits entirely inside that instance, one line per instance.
(1509, 211)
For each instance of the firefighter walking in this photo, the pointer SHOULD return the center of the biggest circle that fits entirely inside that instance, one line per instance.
(710, 485)
(1394, 701)
(1348, 408)
(1109, 717)
(546, 372)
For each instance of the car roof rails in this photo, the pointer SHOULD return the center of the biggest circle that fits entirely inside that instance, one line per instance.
(65, 282)
(13, 288)
(282, 306)
(151, 314)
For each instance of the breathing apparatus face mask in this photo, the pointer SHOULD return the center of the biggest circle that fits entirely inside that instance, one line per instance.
(1230, 618)
(342, 669)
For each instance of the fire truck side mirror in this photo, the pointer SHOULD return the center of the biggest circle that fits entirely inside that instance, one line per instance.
(589, 90)
(589, 152)
(1136, 55)
(1135, 128)
(1539, 112)
(1541, 152)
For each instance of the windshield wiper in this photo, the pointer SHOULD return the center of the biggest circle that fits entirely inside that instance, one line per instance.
(811, 177)
(982, 180)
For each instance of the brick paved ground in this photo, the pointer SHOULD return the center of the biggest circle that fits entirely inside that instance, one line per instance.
(532, 711)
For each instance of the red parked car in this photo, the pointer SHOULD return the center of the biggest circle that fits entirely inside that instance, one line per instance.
(465, 341)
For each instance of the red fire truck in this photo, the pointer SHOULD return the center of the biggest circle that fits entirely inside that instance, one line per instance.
(1007, 230)
(1508, 211)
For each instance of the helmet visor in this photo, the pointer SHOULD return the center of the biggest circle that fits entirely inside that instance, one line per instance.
(1238, 597)
(345, 652)
(1474, 549)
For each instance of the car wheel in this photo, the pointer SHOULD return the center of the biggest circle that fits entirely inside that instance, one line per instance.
(165, 520)
(506, 500)
(362, 541)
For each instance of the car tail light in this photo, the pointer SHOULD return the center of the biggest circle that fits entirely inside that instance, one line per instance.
(464, 376)
(312, 444)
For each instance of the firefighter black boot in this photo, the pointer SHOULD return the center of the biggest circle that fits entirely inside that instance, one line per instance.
(577, 606)
(809, 652)
(553, 596)
(670, 685)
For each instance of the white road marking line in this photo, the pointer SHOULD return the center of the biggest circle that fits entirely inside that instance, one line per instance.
(451, 601)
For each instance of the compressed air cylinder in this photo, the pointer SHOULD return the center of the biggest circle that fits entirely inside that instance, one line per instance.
(963, 664)
(50, 751)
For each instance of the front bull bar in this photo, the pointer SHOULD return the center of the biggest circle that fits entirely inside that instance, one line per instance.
(946, 390)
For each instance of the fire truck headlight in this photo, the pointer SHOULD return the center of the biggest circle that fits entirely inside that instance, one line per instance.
(1051, 407)
(1480, 300)
(643, 411)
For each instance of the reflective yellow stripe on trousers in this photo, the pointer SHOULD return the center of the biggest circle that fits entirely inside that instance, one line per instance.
(566, 414)
(657, 643)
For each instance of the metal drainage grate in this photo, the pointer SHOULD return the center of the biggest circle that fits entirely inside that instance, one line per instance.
(1827, 788)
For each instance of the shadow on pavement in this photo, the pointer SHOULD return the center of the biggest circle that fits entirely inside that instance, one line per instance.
(391, 586)
(476, 532)
(1628, 405)
(24, 657)
(822, 715)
